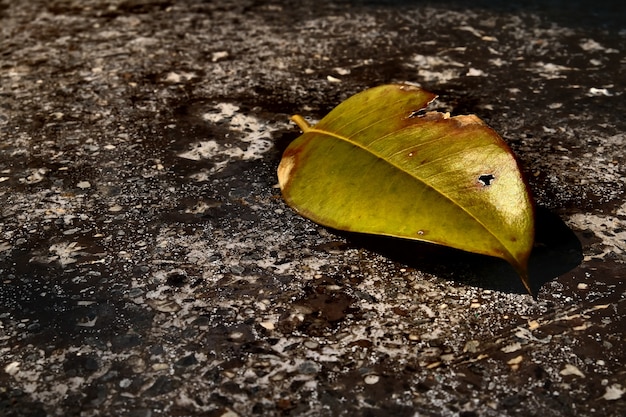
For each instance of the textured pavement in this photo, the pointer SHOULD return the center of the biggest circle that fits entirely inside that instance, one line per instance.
(149, 266)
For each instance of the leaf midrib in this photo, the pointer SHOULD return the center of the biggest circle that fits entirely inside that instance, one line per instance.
(453, 201)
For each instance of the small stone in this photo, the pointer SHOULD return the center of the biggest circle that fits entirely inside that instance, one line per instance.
(595, 92)
(136, 363)
(135, 292)
(342, 71)
(87, 321)
(186, 361)
(268, 325)
(571, 370)
(236, 336)
(311, 344)
(279, 376)
(371, 379)
(448, 357)
(614, 392)
(12, 368)
(471, 346)
(308, 368)
(533, 324)
(83, 185)
(219, 55)
(511, 348)
(582, 286)
(516, 360)
(160, 366)
(164, 306)
(237, 269)
(474, 72)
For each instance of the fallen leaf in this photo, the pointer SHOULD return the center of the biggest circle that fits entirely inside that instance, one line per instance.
(375, 164)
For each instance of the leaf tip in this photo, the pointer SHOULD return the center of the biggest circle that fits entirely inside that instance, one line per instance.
(525, 281)
(522, 270)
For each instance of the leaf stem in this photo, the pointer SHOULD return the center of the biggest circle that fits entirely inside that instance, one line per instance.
(302, 124)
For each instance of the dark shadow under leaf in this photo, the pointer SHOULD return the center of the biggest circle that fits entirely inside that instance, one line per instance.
(557, 250)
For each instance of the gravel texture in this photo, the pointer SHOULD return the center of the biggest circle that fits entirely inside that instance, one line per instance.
(149, 266)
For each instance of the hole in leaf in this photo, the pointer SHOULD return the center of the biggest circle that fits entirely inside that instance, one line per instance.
(486, 179)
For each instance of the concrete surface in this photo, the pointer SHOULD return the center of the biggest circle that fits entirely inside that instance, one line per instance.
(149, 266)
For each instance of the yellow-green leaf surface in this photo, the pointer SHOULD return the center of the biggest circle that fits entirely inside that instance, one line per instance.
(376, 165)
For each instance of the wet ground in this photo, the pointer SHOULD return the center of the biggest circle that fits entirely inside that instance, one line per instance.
(149, 266)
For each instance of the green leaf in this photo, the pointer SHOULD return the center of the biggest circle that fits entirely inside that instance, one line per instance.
(376, 165)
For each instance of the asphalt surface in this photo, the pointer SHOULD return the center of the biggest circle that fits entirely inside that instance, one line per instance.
(150, 267)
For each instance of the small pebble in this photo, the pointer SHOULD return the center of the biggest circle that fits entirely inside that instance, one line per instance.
(371, 379)
(614, 392)
(219, 55)
(236, 336)
(511, 348)
(311, 344)
(571, 370)
(267, 325)
(12, 368)
(237, 269)
(448, 357)
(471, 346)
(516, 360)
(160, 366)
(164, 306)
(308, 367)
